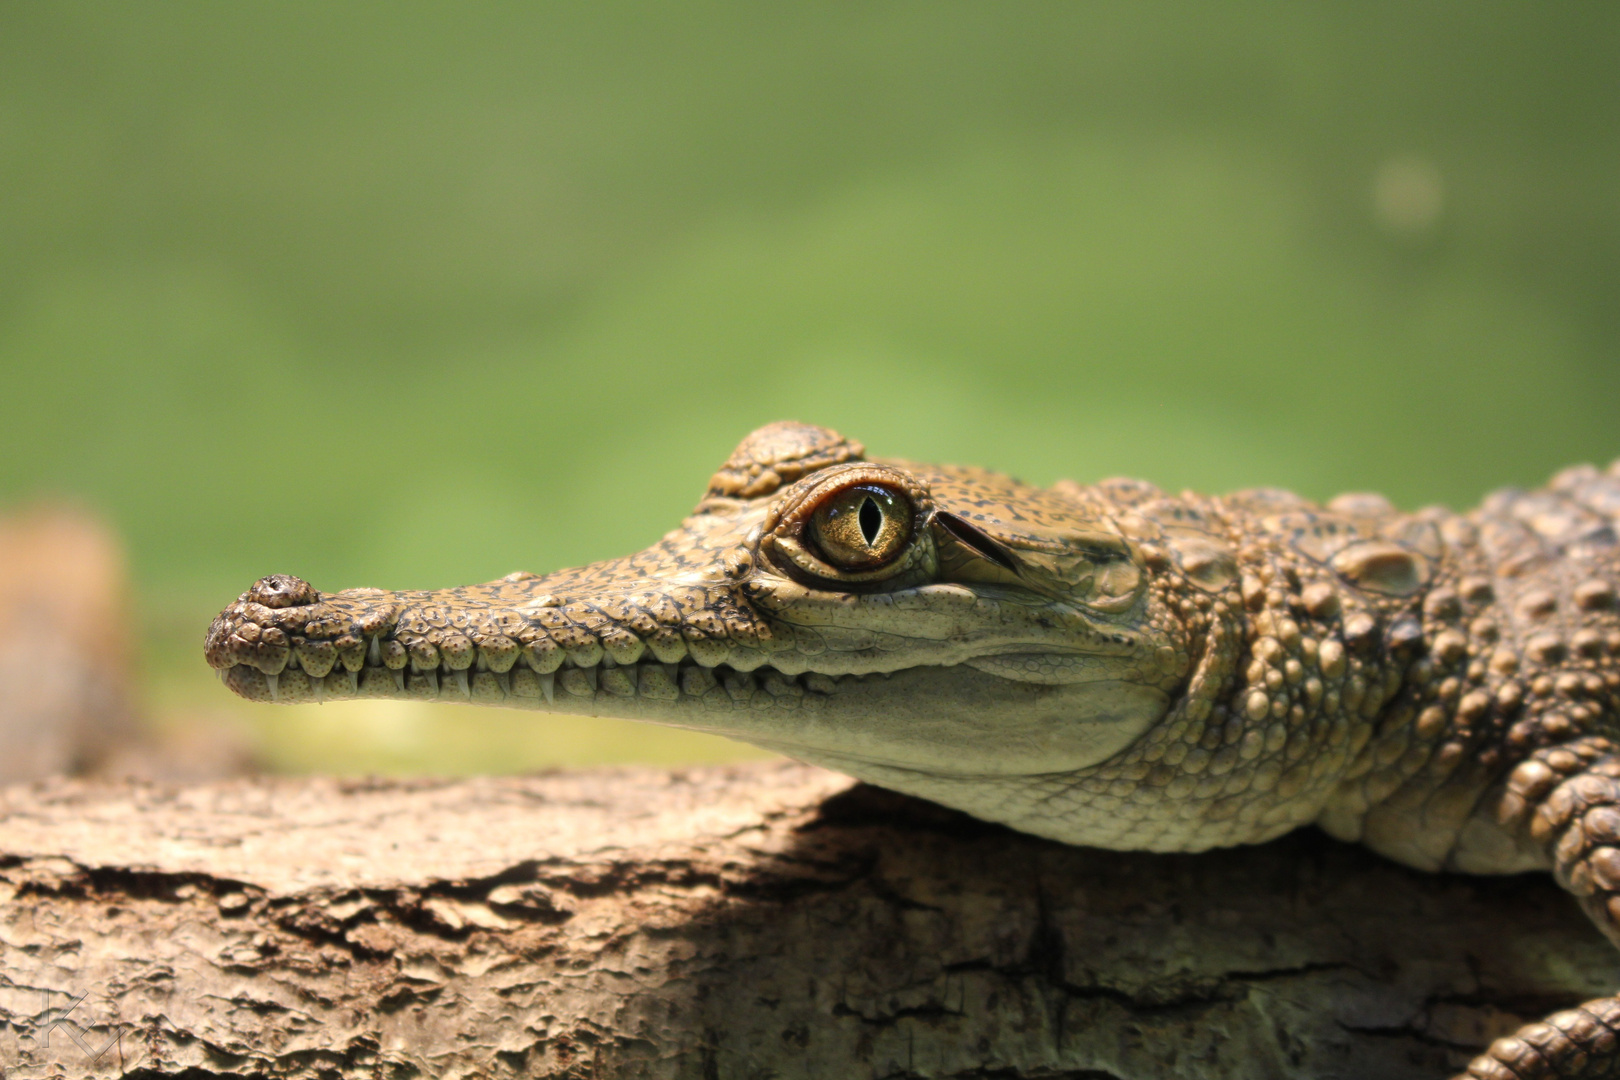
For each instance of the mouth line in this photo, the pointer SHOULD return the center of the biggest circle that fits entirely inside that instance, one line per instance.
(649, 680)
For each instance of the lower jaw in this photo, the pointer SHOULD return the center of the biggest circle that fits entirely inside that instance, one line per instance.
(950, 720)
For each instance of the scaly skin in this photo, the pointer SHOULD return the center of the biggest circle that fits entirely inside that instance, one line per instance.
(1103, 665)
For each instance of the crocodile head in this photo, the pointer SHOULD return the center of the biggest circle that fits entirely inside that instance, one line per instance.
(896, 621)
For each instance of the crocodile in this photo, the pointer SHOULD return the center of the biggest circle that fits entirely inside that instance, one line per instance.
(1104, 665)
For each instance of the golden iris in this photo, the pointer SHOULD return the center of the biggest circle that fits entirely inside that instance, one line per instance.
(862, 527)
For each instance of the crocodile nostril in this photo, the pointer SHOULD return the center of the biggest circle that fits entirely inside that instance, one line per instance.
(282, 591)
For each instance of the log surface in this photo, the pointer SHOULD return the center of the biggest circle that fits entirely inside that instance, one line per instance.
(763, 921)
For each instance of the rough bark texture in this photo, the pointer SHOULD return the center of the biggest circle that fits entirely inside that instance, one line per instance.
(771, 921)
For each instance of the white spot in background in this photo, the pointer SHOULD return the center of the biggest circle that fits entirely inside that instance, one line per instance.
(1408, 195)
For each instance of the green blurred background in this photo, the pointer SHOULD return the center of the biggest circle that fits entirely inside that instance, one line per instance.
(412, 296)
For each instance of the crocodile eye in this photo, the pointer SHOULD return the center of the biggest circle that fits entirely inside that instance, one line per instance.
(862, 527)
(852, 527)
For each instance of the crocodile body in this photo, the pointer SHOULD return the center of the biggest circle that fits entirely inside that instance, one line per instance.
(1105, 665)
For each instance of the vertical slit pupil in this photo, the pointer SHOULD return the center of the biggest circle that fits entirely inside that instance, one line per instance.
(871, 518)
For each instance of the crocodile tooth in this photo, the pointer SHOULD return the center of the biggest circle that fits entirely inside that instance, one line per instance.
(317, 686)
(607, 661)
(548, 686)
(374, 653)
(274, 682)
(504, 681)
(740, 685)
(817, 683)
(353, 678)
(590, 676)
(461, 684)
(575, 682)
(399, 679)
(221, 673)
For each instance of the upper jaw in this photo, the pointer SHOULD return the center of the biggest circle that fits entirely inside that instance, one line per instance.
(283, 624)
(520, 640)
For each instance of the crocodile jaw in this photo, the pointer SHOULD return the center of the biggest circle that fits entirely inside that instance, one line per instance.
(977, 688)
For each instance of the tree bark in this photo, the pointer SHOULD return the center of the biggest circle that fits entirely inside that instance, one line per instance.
(771, 921)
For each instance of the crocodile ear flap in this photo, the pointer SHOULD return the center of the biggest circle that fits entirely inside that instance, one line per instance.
(778, 455)
(975, 539)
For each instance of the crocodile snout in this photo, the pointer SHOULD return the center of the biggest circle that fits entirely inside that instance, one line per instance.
(284, 620)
